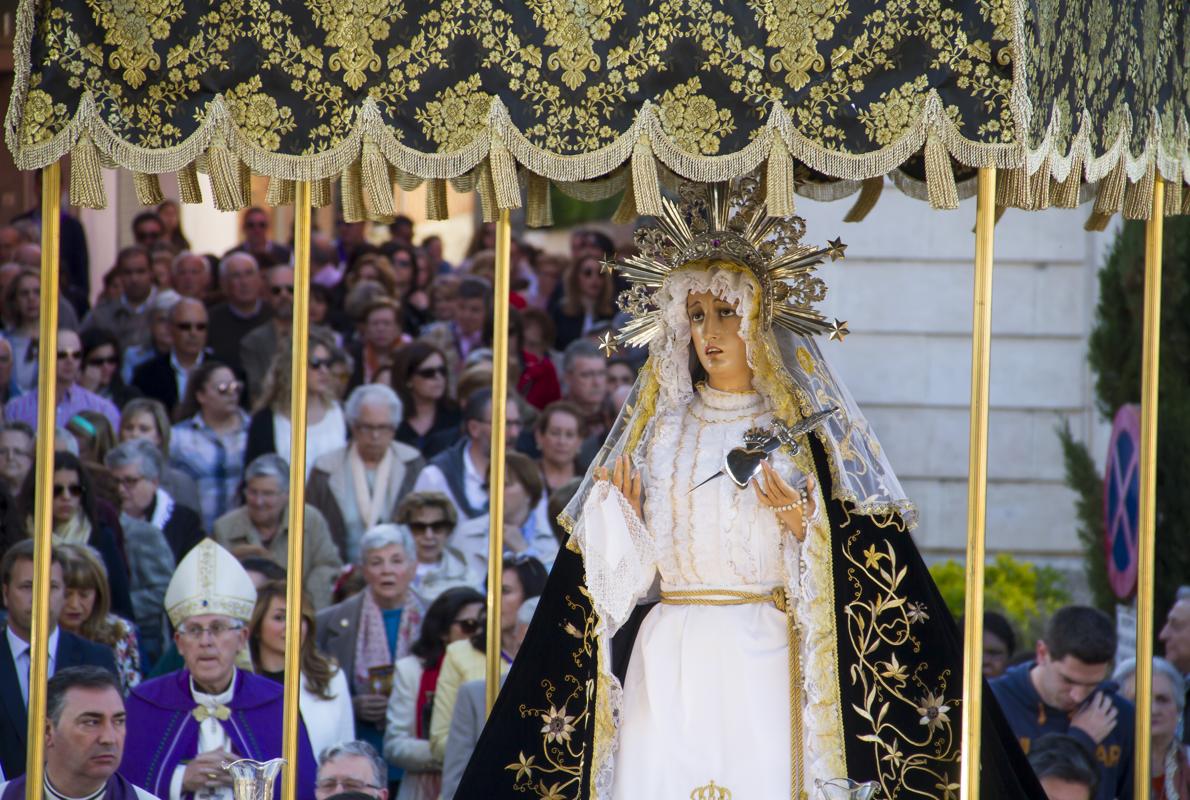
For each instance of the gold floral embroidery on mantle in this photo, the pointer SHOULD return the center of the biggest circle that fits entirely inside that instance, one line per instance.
(566, 710)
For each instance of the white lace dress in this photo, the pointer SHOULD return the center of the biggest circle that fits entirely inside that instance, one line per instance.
(706, 696)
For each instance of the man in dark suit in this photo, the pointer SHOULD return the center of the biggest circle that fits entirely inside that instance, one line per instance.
(66, 650)
(164, 376)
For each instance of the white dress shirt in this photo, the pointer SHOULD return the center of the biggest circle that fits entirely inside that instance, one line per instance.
(211, 736)
(21, 657)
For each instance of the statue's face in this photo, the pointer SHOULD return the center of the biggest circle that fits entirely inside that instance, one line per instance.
(715, 336)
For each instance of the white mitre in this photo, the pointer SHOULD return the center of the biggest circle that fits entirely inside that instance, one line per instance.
(209, 581)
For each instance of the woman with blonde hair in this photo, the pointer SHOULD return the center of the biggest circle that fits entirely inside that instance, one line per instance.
(325, 700)
(588, 292)
(146, 418)
(86, 610)
(270, 430)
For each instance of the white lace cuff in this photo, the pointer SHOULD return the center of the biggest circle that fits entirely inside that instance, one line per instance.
(618, 554)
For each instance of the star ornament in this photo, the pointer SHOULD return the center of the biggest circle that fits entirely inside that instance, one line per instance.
(836, 248)
(839, 330)
(607, 344)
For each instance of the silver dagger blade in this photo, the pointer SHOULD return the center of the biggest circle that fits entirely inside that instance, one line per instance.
(806, 425)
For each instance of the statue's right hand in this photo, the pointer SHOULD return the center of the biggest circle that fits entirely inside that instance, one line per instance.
(626, 479)
(206, 771)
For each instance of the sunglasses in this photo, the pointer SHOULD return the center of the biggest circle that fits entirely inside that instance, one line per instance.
(73, 355)
(74, 490)
(190, 326)
(441, 526)
(231, 387)
(257, 223)
(468, 626)
(103, 361)
(430, 372)
(286, 288)
(320, 363)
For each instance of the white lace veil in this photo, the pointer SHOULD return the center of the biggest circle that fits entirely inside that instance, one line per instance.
(789, 370)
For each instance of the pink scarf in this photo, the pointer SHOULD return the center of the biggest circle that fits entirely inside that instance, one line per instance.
(371, 644)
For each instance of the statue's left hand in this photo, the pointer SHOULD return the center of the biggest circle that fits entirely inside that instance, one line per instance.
(774, 492)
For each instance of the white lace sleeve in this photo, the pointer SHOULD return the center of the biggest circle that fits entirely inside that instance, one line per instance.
(618, 554)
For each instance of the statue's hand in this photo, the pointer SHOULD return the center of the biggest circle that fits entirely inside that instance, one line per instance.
(626, 479)
(774, 492)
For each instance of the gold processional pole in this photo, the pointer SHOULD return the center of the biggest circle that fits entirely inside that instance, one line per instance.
(47, 421)
(496, 483)
(299, 333)
(1150, 363)
(977, 484)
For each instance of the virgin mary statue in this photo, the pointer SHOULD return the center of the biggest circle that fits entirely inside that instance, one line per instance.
(755, 635)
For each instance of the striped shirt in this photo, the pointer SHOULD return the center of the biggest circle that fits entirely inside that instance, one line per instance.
(215, 461)
(75, 399)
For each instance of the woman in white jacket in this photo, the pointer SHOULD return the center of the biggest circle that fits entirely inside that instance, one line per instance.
(325, 701)
(454, 616)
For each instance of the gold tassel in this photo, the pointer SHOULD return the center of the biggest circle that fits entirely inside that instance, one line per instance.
(1173, 197)
(86, 176)
(626, 211)
(377, 186)
(189, 188)
(225, 177)
(487, 191)
(538, 211)
(351, 193)
(281, 192)
(246, 183)
(148, 188)
(1013, 188)
(436, 200)
(869, 193)
(1138, 197)
(1039, 186)
(779, 183)
(508, 189)
(940, 184)
(1109, 198)
(1065, 194)
(320, 193)
(1097, 222)
(646, 187)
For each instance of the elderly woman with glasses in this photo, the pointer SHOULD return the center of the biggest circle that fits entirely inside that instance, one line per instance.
(263, 520)
(270, 430)
(137, 467)
(209, 442)
(1169, 767)
(370, 631)
(359, 486)
(453, 617)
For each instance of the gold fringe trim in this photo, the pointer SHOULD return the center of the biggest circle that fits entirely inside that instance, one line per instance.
(1138, 197)
(86, 176)
(1013, 188)
(626, 211)
(351, 194)
(377, 181)
(148, 189)
(779, 181)
(869, 194)
(1173, 197)
(436, 200)
(940, 181)
(487, 192)
(1110, 197)
(189, 189)
(503, 171)
(1097, 222)
(223, 167)
(245, 183)
(1066, 193)
(281, 192)
(408, 181)
(320, 193)
(464, 184)
(538, 209)
(1039, 185)
(646, 188)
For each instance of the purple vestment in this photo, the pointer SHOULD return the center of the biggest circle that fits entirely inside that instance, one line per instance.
(118, 788)
(162, 733)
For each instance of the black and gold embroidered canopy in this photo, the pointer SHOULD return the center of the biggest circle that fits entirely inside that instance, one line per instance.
(590, 96)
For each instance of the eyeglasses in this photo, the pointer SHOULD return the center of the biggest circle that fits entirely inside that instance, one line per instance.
(74, 489)
(217, 630)
(15, 452)
(367, 429)
(320, 363)
(346, 784)
(430, 372)
(468, 626)
(73, 355)
(287, 288)
(129, 482)
(439, 527)
(257, 223)
(103, 361)
(190, 326)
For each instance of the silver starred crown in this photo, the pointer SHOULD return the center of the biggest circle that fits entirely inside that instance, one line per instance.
(727, 222)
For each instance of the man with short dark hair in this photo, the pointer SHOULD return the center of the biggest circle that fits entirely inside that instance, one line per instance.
(128, 315)
(16, 454)
(1064, 767)
(1065, 691)
(147, 229)
(260, 346)
(257, 241)
(66, 649)
(84, 739)
(458, 337)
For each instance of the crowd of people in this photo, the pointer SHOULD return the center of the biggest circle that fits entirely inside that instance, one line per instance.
(173, 437)
(171, 480)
